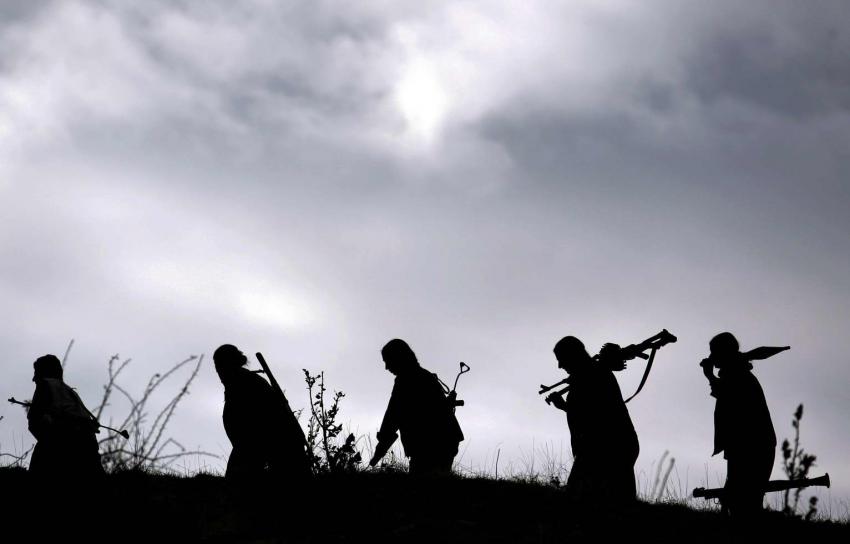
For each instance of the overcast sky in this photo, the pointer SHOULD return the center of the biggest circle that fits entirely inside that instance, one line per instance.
(312, 179)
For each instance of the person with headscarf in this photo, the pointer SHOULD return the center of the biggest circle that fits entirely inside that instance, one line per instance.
(62, 426)
(420, 412)
(604, 442)
(743, 429)
(265, 439)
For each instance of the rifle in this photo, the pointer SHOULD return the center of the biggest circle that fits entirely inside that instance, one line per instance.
(452, 393)
(653, 343)
(772, 486)
(291, 420)
(13, 400)
(123, 433)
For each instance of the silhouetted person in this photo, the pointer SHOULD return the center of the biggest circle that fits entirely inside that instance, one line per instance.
(420, 411)
(604, 443)
(64, 428)
(743, 430)
(259, 431)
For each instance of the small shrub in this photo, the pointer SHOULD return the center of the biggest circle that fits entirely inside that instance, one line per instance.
(797, 463)
(327, 454)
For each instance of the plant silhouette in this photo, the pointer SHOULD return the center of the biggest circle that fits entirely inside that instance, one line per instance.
(325, 451)
(797, 463)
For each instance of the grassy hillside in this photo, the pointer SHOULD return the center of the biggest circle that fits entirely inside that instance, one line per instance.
(365, 506)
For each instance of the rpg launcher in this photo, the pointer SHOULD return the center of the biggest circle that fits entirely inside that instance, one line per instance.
(632, 351)
(772, 486)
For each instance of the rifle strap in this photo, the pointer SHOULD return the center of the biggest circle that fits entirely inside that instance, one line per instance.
(442, 383)
(645, 373)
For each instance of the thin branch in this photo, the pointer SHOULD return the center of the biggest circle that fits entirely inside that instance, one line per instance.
(168, 411)
(67, 351)
(160, 458)
(110, 383)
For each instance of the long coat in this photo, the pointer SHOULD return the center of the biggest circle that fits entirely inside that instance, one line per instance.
(604, 442)
(262, 435)
(744, 432)
(65, 432)
(742, 422)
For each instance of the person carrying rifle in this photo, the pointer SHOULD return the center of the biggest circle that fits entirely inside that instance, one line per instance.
(604, 442)
(63, 427)
(743, 429)
(261, 434)
(420, 411)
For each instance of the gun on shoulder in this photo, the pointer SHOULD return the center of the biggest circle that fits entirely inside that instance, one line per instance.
(772, 486)
(624, 354)
(94, 420)
(653, 342)
(291, 421)
(13, 400)
(451, 394)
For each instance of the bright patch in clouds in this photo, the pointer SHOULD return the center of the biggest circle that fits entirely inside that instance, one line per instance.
(273, 309)
(226, 289)
(422, 100)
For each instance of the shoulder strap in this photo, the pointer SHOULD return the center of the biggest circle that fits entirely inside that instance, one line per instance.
(645, 374)
(446, 389)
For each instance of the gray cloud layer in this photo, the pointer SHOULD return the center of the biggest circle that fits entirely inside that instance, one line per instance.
(480, 179)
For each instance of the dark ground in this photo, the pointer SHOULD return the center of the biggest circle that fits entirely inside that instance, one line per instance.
(370, 507)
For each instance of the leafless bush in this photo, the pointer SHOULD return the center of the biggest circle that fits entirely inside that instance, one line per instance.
(149, 447)
(14, 460)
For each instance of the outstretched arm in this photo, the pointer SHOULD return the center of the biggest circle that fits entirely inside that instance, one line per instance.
(388, 433)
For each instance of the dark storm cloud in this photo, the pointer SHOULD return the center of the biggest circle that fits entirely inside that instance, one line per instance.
(791, 62)
(17, 10)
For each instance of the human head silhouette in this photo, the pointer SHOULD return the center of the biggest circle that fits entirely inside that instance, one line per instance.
(724, 349)
(398, 357)
(228, 359)
(47, 366)
(571, 354)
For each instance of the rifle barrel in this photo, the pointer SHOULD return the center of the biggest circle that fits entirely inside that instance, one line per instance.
(123, 433)
(703, 493)
(268, 372)
(547, 388)
(292, 421)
